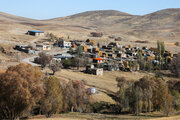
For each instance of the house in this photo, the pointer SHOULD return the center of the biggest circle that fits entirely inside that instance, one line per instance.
(113, 44)
(91, 91)
(59, 57)
(88, 67)
(85, 48)
(25, 48)
(62, 43)
(95, 49)
(77, 42)
(112, 55)
(104, 55)
(35, 33)
(98, 60)
(43, 47)
(97, 71)
(90, 42)
(111, 67)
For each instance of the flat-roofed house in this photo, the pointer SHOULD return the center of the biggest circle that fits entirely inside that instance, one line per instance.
(64, 44)
(35, 33)
(43, 47)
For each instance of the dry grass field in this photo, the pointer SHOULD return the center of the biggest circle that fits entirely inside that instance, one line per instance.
(105, 82)
(79, 116)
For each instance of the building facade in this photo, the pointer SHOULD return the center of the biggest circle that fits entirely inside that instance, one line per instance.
(35, 33)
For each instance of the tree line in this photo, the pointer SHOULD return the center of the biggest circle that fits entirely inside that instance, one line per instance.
(26, 91)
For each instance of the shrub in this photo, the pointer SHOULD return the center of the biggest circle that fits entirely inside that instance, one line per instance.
(96, 34)
(67, 63)
(97, 107)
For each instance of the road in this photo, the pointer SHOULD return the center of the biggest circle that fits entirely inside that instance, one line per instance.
(30, 60)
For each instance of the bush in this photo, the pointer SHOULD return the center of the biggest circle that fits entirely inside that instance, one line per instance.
(67, 63)
(176, 99)
(96, 34)
(97, 107)
(176, 43)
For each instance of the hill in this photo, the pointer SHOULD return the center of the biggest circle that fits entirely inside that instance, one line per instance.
(161, 25)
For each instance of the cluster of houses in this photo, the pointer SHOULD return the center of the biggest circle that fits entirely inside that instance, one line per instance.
(33, 49)
(113, 56)
(110, 57)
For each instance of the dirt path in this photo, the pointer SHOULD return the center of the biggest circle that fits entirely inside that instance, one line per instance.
(167, 118)
(30, 60)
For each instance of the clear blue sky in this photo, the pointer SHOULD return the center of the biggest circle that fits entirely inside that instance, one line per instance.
(45, 9)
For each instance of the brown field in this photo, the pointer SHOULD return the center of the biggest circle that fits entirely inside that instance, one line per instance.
(105, 84)
(79, 116)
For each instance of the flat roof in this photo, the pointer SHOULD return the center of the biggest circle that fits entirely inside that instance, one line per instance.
(36, 31)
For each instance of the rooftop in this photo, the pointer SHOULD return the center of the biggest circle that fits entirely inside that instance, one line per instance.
(98, 59)
(36, 31)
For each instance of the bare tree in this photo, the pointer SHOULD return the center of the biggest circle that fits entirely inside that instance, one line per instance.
(43, 59)
(52, 101)
(55, 67)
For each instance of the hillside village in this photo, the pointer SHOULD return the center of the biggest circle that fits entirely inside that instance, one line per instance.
(110, 57)
(93, 65)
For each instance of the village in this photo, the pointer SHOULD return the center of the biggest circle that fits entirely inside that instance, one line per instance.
(89, 60)
(101, 57)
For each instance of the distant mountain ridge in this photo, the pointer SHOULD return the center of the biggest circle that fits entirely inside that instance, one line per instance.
(166, 17)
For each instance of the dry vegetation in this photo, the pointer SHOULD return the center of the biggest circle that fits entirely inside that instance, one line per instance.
(78, 116)
(105, 82)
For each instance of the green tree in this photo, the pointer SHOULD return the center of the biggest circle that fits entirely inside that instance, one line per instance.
(161, 51)
(175, 66)
(121, 84)
(176, 99)
(52, 101)
(141, 60)
(67, 63)
(79, 51)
